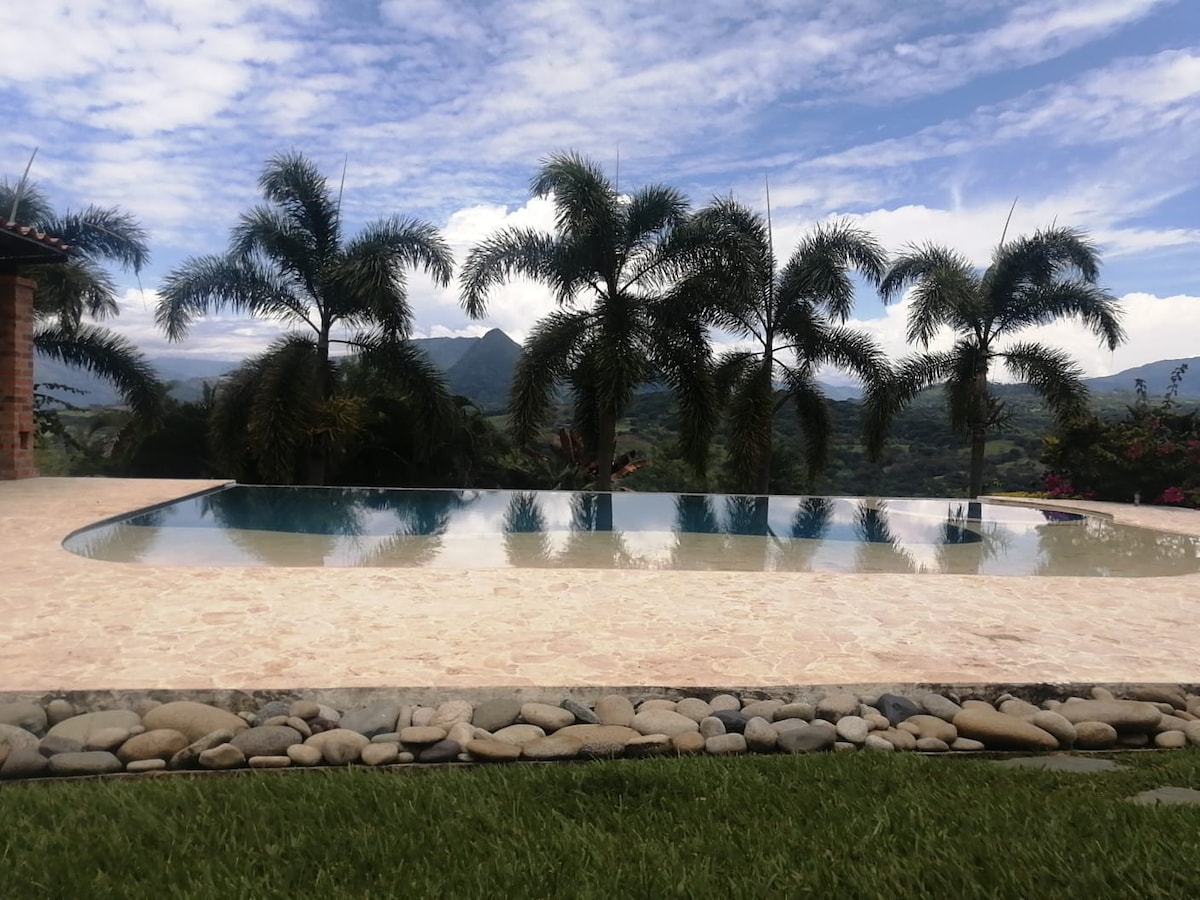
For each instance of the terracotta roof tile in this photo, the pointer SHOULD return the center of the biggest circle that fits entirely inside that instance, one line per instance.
(32, 234)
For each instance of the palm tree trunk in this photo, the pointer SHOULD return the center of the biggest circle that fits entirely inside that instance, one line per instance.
(605, 450)
(978, 435)
(762, 478)
(318, 452)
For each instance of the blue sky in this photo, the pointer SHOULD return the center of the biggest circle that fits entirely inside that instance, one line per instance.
(922, 120)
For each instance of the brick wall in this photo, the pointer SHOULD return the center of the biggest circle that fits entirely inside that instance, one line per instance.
(16, 377)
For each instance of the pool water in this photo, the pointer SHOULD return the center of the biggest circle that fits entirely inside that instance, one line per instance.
(243, 525)
(249, 526)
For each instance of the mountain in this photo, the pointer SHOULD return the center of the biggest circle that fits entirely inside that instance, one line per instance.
(446, 351)
(485, 371)
(1157, 376)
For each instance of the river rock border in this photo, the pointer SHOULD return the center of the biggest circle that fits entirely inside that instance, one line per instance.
(54, 737)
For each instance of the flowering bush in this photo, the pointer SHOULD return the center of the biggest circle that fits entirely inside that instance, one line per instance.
(1152, 455)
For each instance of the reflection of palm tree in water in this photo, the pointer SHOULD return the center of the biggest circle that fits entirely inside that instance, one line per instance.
(526, 544)
(424, 517)
(746, 516)
(591, 542)
(878, 548)
(965, 543)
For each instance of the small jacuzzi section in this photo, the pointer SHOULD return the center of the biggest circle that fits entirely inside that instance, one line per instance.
(243, 525)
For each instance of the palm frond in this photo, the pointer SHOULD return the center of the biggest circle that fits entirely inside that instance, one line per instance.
(103, 233)
(884, 400)
(584, 199)
(683, 356)
(1048, 255)
(550, 353)
(818, 270)
(209, 284)
(1095, 307)
(946, 289)
(1053, 374)
(750, 413)
(405, 370)
(109, 356)
(32, 207)
(853, 351)
(732, 368)
(70, 290)
(281, 241)
(511, 251)
(295, 184)
(962, 394)
(283, 413)
(813, 416)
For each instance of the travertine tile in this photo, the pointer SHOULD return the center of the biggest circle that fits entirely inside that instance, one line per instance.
(71, 623)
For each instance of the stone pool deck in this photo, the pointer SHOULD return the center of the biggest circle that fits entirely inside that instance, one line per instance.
(73, 624)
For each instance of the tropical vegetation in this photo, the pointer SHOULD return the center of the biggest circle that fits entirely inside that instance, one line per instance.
(286, 414)
(792, 319)
(79, 289)
(1031, 281)
(618, 327)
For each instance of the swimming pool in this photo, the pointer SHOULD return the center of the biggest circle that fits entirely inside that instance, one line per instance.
(240, 525)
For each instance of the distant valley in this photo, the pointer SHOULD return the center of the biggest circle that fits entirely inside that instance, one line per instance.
(481, 368)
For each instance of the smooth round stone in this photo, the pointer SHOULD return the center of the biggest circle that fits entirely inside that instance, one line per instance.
(657, 704)
(453, 712)
(910, 727)
(662, 721)
(601, 741)
(162, 743)
(388, 737)
(78, 728)
(464, 757)
(554, 746)
(380, 754)
(272, 709)
(966, 745)
(1102, 693)
(764, 709)
(1171, 723)
(423, 716)
(1168, 694)
(844, 746)
(277, 720)
(834, 707)
(21, 762)
(19, 739)
(500, 712)
(493, 751)
(937, 705)
(688, 744)
(405, 758)
(898, 738)
(320, 725)
(725, 745)
(136, 730)
(932, 745)
(340, 746)
(760, 735)
(694, 708)
(1001, 732)
(711, 726)
(189, 756)
(853, 729)
(328, 713)
(305, 709)
(734, 720)
(1094, 736)
(223, 756)
(422, 734)
(1133, 739)
(146, 765)
(374, 718)
(782, 725)
(58, 710)
(649, 745)
(809, 739)
(461, 733)
(548, 718)
(614, 709)
(802, 711)
(583, 714)
(931, 726)
(53, 743)
(194, 720)
(1170, 740)
(106, 739)
(89, 762)
(1048, 720)
(877, 722)
(304, 755)
(1123, 715)
(29, 716)
(878, 743)
(248, 717)
(895, 708)
(519, 734)
(441, 752)
(725, 701)
(269, 762)
(300, 726)
(1017, 707)
(1192, 730)
(266, 740)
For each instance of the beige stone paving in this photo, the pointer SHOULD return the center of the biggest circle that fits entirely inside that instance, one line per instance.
(69, 623)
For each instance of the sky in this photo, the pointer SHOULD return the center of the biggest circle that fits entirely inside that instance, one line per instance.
(920, 120)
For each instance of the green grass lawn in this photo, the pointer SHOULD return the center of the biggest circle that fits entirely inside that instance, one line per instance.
(837, 825)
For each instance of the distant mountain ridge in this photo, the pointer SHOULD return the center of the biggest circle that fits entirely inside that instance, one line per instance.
(481, 368)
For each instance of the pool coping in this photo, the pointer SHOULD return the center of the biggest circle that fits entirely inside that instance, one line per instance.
(404, 632)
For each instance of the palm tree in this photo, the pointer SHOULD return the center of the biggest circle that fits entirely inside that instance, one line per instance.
(792, 318)
(617, 328)
(81, 287)
(287, 261)
(1031, 281)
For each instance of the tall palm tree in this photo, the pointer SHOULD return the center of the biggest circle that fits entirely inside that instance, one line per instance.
(791, 317)
(69, 292)
(288, 261)
(1031, 281)
(617, 328)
